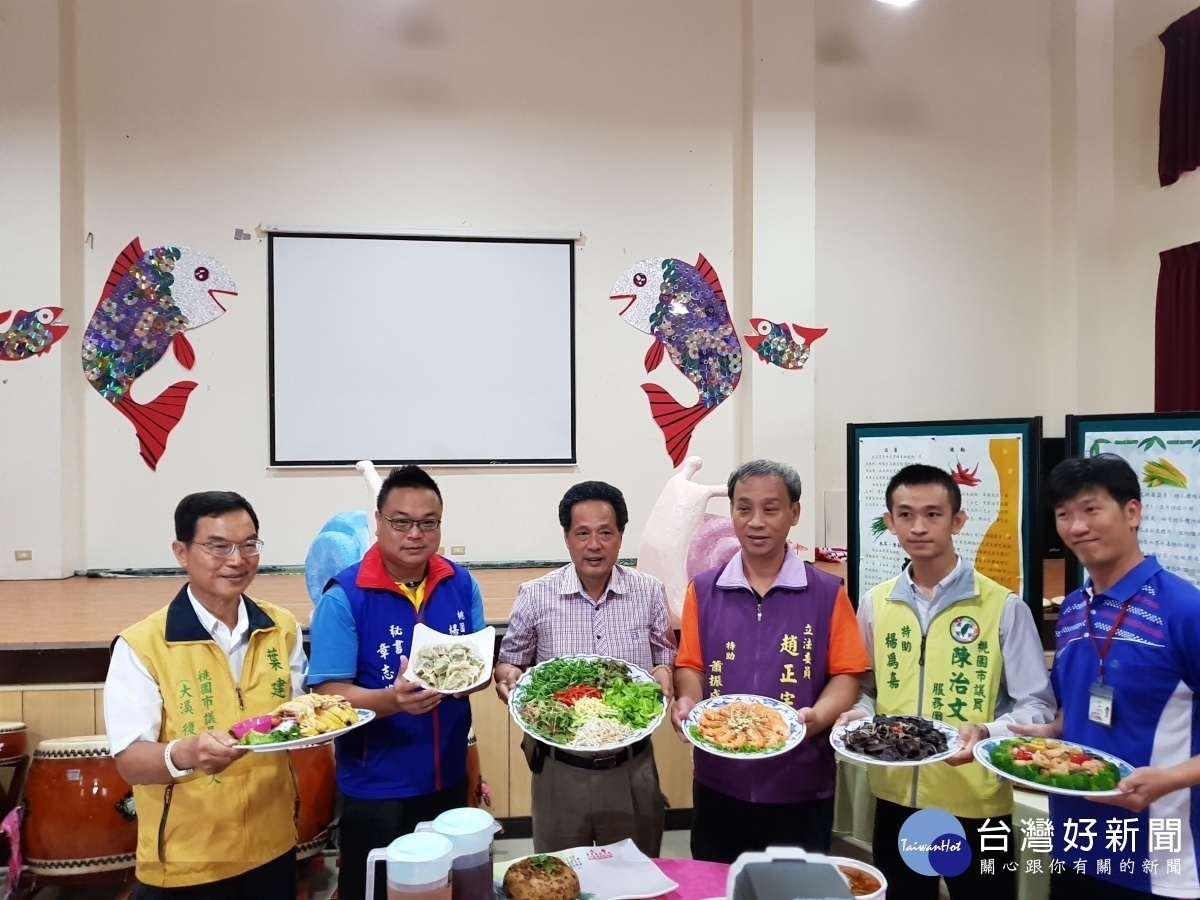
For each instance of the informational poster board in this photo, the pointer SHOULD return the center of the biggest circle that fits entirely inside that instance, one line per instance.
(1164, 451)
(996, 465)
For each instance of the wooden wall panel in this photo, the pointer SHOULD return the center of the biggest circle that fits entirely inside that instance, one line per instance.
(490, 720)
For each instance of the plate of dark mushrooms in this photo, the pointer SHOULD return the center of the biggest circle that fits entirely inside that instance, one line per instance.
(895, 740)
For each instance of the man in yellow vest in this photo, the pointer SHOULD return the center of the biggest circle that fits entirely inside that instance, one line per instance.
(948, 643)
(214, 821)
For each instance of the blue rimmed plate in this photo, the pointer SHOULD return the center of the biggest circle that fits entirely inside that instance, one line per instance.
(983, 755)
(796, 728)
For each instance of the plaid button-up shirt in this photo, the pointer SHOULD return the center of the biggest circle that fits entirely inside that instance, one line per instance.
(553, 617)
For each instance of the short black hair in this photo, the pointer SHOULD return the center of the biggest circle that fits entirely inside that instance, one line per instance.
(769, 468)
(920, 474)
(593, 490)
(1072, 477)
(194, 507)
(406, 477)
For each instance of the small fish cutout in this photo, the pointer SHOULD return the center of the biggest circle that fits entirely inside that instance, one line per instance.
(31, 333)
(774, 344)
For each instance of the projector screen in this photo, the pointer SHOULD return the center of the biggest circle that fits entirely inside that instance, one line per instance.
(430, 350)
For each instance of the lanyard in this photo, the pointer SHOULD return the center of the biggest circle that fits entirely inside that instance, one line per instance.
(1102, 652)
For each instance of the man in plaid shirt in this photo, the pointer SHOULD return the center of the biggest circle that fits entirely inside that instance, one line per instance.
(592, 606)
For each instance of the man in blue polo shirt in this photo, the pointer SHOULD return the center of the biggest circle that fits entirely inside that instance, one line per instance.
(410, 764)
(1126, 671)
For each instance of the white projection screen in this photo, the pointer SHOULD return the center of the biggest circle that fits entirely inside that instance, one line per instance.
(430, 350)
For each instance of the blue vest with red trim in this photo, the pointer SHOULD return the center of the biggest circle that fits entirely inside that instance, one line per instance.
(401, 756)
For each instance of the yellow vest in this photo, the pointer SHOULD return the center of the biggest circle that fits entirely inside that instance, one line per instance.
(957, 682)
(204, 828)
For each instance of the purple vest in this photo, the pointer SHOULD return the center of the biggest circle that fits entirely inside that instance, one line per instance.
(782, 655)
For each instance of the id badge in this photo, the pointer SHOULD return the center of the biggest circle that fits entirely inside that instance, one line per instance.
(1100, 704)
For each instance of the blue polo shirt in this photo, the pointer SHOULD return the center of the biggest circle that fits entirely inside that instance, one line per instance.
(1153, 668)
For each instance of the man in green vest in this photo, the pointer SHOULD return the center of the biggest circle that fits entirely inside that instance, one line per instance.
(948, 643)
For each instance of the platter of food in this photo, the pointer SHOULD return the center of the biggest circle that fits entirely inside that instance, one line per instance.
(591, 703)
(865, 881)
(607, 872)
(895, 740)
(1053, 766)
(743, 726)
(450, 664)
(304, 721)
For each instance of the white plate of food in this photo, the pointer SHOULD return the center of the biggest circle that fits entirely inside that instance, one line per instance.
(587, 703)
(743, 726)
(303, 721)
(895, 740)
(609, 872)
(448, 663)
(1053, 766)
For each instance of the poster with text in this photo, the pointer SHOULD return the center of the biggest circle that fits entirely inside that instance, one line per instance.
(1164, 451)
(995, 465)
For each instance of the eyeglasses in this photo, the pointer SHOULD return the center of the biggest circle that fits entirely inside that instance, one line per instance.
(405, 525)
(224, 549)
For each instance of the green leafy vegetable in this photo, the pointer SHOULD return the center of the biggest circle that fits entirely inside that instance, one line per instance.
(550, 719)
(637, 702)
(699, 736)
(251, 738)
(545, 863)
(559, 674)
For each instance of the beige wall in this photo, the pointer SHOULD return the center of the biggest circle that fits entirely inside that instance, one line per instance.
(964, 193)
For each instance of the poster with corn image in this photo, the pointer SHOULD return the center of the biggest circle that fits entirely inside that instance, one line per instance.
(1164, 450)
(995, 465)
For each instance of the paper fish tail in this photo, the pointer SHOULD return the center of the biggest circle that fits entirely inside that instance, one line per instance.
(154, 422)
(676, 422)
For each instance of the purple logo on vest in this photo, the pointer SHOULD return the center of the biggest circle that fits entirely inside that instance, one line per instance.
(964, 629)
(933, 842)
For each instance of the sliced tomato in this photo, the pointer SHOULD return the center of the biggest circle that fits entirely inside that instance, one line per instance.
(1023, 755)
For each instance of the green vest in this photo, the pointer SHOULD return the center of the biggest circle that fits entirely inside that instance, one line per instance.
(204, 828)
(956, 681)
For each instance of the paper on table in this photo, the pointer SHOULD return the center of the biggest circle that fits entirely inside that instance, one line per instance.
(611, 872)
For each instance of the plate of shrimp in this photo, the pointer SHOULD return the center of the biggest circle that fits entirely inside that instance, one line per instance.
(743, 726)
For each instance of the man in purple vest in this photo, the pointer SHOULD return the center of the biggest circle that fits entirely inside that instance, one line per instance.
(770, 624)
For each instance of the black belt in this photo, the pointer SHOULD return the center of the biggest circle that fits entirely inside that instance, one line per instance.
(607, 761)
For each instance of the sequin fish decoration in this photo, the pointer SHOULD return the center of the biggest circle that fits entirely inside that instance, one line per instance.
(775, 345)
(31, 333)
(150, 299)
(683, 308)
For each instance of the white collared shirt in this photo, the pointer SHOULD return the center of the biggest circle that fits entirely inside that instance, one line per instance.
(132, 701)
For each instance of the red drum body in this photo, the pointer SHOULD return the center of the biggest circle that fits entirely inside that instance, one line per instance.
(79, 816)
(315, 778)
(12, 741)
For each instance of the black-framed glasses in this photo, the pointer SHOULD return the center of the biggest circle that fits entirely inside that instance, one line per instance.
(224, 549)
(406, 525)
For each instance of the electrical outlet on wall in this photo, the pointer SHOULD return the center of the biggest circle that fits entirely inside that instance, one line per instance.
(457, 550)
(23, 555)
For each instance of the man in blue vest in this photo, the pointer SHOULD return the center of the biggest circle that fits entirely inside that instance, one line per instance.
(410, 764)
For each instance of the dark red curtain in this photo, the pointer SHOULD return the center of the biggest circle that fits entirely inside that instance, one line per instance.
(1179, 108)
(1177, 331)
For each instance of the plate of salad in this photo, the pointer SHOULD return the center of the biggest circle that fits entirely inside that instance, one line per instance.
(1053, 766)
(592, 703)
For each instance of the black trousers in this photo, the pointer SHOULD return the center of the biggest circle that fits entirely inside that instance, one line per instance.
(723, 827)
(367, 824)
(1070, 885)
(275, 880)
(970, 885)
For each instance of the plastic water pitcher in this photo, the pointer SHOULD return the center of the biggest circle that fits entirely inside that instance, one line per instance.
(470, 830)
(418, 867)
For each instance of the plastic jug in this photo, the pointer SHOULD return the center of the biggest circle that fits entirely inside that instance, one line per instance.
(470, 830)
(418, 867)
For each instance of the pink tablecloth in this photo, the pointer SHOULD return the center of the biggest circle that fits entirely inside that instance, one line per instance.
(697, 880)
